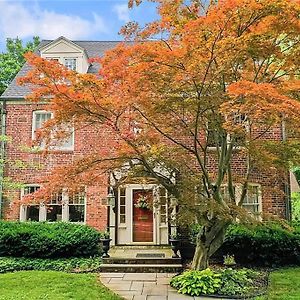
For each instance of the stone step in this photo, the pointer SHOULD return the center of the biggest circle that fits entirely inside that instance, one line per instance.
(141, 268)
(142, 261)
(141, 247)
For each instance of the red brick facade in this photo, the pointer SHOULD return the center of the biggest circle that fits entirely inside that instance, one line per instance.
(19, 128)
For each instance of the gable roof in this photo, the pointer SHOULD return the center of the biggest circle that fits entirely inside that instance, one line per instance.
(92, 49)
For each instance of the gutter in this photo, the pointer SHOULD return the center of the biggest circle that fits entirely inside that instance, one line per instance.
(2, 152)
(287, 182)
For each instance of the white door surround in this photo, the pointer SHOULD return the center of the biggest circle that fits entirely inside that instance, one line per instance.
(124, 219)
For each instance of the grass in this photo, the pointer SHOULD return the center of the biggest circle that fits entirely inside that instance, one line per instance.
(284, 285)
(51, 285)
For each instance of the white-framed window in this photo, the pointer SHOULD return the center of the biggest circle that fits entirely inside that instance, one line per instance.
(163, 205)
(30, 212)
(71, 63)
(76, 207)
(39, 118)
(68, 62)
(122, 205)
(253, 199)
(54, 209)
(62, 207)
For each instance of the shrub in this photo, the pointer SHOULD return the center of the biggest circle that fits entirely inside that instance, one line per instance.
(30, 239)
(226, 282)
(196, 283)
(11, 264)
(267, 245)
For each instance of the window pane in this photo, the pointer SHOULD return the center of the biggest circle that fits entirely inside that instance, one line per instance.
(32, 213)
(122, 192)
(122, 201)
(122, 210)
(163, 219)
(78, 198)
(70, 63)
(54, 213)
(122, 218)
(30, 189)
(76, 213)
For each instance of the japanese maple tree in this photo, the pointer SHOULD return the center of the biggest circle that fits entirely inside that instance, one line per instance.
(200, 87)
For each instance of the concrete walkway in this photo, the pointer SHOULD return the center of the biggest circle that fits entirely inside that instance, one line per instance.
(144, 286)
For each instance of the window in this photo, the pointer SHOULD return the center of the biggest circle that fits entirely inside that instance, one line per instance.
(62, 207)
(163, 201)
(54, 209)
(39, 118)
(252, 199)
(77, 207)
(122, 206)
(70, 63)
(30, 212)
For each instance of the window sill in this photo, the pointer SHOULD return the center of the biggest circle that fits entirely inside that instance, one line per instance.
(52, 151)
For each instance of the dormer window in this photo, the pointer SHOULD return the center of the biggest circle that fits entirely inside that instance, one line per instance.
(70, 63)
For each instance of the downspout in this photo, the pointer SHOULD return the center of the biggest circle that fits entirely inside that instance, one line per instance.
(2, 153)
(287, 183)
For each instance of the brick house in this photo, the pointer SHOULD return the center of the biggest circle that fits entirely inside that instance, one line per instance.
(20, 120)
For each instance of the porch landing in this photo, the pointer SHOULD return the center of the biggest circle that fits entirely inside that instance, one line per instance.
(141, 252)
(141, 259)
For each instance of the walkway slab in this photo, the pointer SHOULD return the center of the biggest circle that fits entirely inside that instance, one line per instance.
(144, 286)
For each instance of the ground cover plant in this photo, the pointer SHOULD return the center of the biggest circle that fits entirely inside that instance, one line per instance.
(50, 285)
(226, 282)
(48, 240)
(12, 264)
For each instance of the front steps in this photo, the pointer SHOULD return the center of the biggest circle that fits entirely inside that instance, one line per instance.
(137, 259)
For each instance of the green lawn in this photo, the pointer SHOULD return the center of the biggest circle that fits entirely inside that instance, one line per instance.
(284, 285)
(29, 285)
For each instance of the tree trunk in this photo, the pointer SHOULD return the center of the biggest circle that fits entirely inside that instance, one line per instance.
(200, 259)
(209, 239)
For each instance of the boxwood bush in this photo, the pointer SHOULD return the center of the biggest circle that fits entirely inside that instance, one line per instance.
(264, 245)
(48, 240)
(267, 244)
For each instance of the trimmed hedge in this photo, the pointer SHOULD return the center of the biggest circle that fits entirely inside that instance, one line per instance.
(261, 245)
(12, 264)
(264, 245)
(48, 240)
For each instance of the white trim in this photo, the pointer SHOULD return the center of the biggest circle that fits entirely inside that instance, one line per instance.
(125, 230)
(57, 41)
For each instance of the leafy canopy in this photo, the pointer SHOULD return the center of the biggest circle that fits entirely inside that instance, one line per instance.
(13, 59)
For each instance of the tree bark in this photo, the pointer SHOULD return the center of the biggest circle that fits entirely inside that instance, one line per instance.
(209, 239)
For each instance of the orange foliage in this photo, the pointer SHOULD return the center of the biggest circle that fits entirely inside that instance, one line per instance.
(197, 65)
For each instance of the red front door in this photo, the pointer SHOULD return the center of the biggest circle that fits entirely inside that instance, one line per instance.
(142, 217)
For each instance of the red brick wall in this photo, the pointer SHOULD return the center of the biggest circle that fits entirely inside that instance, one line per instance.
(19, 127)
